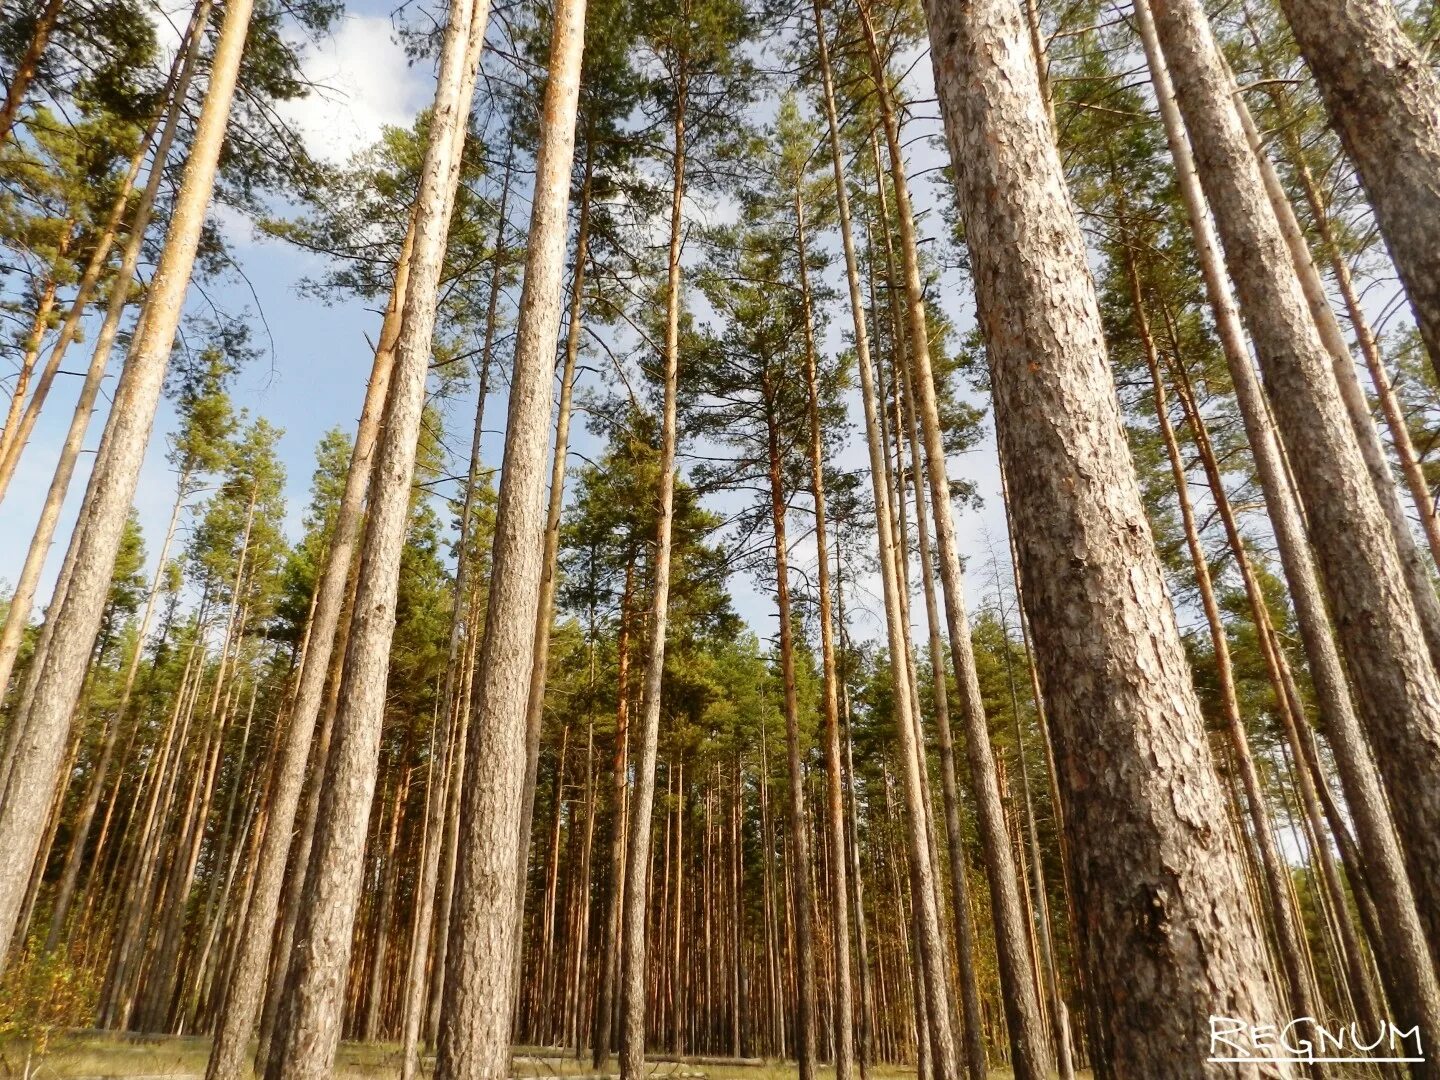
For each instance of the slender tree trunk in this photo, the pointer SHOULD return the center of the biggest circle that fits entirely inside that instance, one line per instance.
(540, 666)
(798, 825)
(25, 70)
(613, 898)
(1374, 610)
(843, 1019)
(24, 596)
(80, 831)
(1159, 888)
(173, 97)
(310, 1026)
(632, 926)
(480, 990)
(1030, 1057)
(57, 681)
(1409, 958)
(930, 945)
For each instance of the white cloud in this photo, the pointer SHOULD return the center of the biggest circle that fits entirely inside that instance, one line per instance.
(361, 82)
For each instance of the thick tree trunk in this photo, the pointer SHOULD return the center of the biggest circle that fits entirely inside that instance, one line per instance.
(1159, 889)
(1375, 614)
(1384, 867)
(1383, 98)
(310, 1024)
(244, 992)
(476, 1021)
(930, 943)
(1288, 929)
(456, 702)
(637, 863)
(57, 681)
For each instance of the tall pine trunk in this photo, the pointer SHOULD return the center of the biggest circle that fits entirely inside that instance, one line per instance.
(1375, 616)
(632, 936)
(56, 682)
(1383, 98)
(1385, 873)
(478, 1011)
(310, 1021)
(1167, 933)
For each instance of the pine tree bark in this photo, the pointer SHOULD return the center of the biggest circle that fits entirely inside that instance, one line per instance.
(1374, 611)
(245, 989)
(540, 666)
(1288, 930)
(1383, 99)
(1384, 866)
(480, 989)
(310, 1024)
(57, 682)
(1159, 888)
(456, 700)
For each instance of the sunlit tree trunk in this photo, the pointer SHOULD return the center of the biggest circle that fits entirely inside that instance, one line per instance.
(57, 680)
(1375, 613)
(1167, 932)
(1383, 98)
(1384, 866)
(637, 863)
(309, 1029)
(476, 1020)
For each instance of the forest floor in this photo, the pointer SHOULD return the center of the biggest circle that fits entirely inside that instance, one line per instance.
(103, 1056)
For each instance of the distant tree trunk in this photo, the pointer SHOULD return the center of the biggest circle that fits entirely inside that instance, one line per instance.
(612, 899)
(798, 825)
(843, 1012)
(637, 864)
(1384, 866)
(25, 70)
(1383, 99)
(476, 1020)
(57, 681)
(311, 1012)
(930, 944)
(1159, 889)
(1375, 614)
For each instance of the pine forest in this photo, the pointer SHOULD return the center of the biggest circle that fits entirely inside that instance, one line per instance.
(719, 539)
